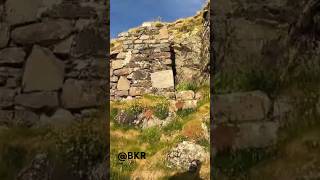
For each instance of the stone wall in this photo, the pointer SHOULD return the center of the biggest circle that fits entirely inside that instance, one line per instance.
(144, 63)
(52, 61)
(155, 57)
(264, 37)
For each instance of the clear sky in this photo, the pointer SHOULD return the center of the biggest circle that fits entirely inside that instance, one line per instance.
(126, 14)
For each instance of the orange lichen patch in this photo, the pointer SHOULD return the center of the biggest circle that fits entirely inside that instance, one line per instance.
(179, 105)
(148, 114)
(193, 130)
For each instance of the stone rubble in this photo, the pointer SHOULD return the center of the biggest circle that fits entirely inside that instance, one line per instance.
(184, 153)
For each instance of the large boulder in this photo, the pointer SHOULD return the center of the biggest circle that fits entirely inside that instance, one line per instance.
(43, 71)
(183, 154)
(244, 106)
(38, 100)
(80, 94)
(42, 32)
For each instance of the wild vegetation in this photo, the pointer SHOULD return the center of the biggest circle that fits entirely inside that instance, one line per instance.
(155, 141)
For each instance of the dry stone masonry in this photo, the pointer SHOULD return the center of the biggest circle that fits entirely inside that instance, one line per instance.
(52, 61)
(144, 64)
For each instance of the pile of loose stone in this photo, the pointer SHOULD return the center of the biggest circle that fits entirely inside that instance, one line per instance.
(52, 61)
(144, 64)
(184, 153)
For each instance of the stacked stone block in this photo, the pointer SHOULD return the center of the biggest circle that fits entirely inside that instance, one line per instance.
(144, 64)
(52, 61)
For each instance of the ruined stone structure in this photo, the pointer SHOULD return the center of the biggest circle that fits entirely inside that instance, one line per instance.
(52, 61)
(155, 57)
(264, 37)
(144, 65)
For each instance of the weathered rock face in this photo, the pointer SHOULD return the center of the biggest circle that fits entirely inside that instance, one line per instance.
(248, 106)
(245, 120)
(144, 62)
(154, 58)
(19, 13)
(52, 61)
(38, 100)
(181, 156)
(79, 94)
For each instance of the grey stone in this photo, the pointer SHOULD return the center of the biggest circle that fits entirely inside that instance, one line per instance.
(122, 72)
(183, 154)
(185, 95)
(80, 94)
(6, 117)
(25, 118)
(64, 47)
(42, 32)
(60, 119)
(39, 168)
(6, 97)
(121, 93)
(162, 79)
(38, 100)
(117, 64)
(144, 37)
(282, 106)
(4, 35)
(114, 79)
(18, 13)
(123, 84)
(163, 33)
(71, 10)
(43, 71)
(11, 56)
(140, 75)
(89, 41)
(89, 113)
(136, 91)
(190, 104)
(256, 135)
(121, 55)
(12, 83)
(244, 106)
(82, 24)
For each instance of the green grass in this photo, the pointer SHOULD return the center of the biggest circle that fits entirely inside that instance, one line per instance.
(161, 110)
(186, 87)
(185, 112)
(78, 148)
(151, 135)
(174, 125)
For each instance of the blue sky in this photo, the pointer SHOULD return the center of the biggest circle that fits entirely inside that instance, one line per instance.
(126, 14)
